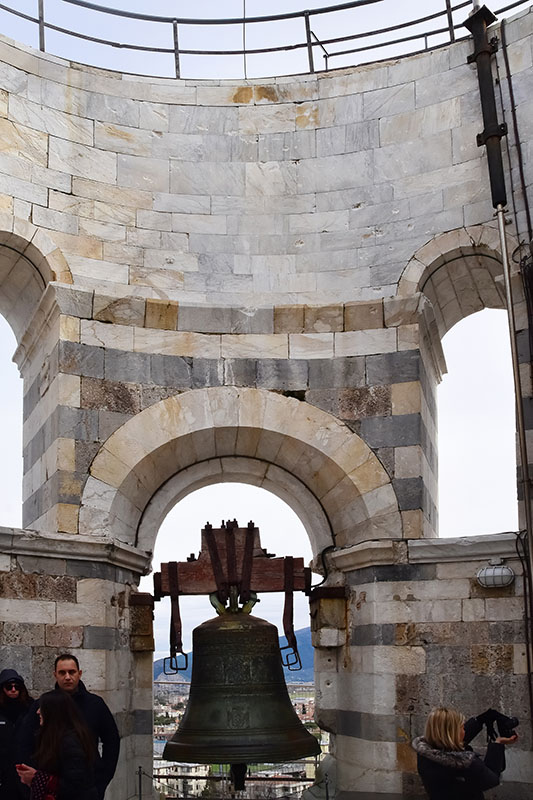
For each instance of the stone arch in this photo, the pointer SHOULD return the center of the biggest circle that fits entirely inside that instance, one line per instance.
(29, 261)
(237, 469)
(324, 459)
(460, 273)
(456, 274)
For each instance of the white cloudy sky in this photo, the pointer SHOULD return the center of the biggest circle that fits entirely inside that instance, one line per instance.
(476, 412)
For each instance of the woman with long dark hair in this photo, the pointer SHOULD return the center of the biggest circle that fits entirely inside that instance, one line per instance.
(14, 704)
(65, 753)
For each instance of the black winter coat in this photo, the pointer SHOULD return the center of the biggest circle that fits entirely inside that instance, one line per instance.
(458, 774)
(76, 778)
(11, 717)
(100, 722)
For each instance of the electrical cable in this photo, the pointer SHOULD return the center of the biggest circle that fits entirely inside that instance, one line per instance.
(521, 539)
(515, 127)
(526, 272)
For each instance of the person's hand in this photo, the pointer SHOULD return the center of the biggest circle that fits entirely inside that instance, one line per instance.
(25, 773)
(507, 739)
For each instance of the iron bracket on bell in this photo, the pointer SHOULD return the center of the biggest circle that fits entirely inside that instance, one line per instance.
(171, 665)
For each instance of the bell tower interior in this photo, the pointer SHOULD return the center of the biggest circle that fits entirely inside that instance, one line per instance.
(247, 280)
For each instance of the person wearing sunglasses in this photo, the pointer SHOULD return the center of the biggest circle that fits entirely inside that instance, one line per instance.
(14, 704)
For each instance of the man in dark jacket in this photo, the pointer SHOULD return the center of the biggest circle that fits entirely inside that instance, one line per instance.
(94, 711)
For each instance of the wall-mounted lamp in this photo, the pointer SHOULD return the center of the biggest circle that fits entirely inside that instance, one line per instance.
(497, 574)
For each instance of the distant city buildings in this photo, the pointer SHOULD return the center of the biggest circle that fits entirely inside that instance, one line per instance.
(176, 780)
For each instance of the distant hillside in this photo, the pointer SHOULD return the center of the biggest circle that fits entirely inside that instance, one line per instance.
(304, 675)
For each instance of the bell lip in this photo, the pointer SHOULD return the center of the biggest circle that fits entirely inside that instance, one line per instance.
(191, 753)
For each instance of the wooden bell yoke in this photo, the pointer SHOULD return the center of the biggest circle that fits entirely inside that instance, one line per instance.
(231, 567)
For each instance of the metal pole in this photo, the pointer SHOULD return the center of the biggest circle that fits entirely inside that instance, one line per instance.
(176, 48)
(309, 45)
(41, 26)
(140, 774)
(244, 67)
(522, 443)
(450, 20)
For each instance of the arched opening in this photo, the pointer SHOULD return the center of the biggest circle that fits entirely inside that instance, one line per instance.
(460, 275)
(29, 261)
(477, 457)
(11, 416)
(282, 533)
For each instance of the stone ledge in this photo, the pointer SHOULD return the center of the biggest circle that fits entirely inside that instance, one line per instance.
(365, 554)
(464, 548)
(16, 541)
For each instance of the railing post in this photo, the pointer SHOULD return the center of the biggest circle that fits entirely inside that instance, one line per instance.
(450, 20)
(41, 26)
(309, 44)
(176, 48)
(140, 775)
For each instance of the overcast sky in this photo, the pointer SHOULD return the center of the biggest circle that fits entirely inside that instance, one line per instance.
(476, 406)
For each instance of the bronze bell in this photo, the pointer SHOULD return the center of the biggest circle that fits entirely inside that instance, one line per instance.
(239, 710)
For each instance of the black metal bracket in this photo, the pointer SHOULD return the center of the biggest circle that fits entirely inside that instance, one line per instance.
(290, 659)
(489, 47)
(171, 665)
(498, 129)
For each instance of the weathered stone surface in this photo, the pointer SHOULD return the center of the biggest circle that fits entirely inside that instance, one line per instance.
(492, 659)
(339, 372)
(240, 371)
(393, 367)
(280, 374)
(47, 587)
(110, 396)
(22, 633)
(391, 431)
(171, 371)
(123, 311)
(126, 367)
(288, 319)
(363, 316)
(161, 314)
(322, 319)
(207, 372)
(369, 401)
(153, 394)
(79, 359)
(64, 638)
(109, 421)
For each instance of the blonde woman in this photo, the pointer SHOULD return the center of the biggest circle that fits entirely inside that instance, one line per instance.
(450, 770)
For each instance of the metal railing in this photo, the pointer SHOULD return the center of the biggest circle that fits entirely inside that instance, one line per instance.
(402, 38)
